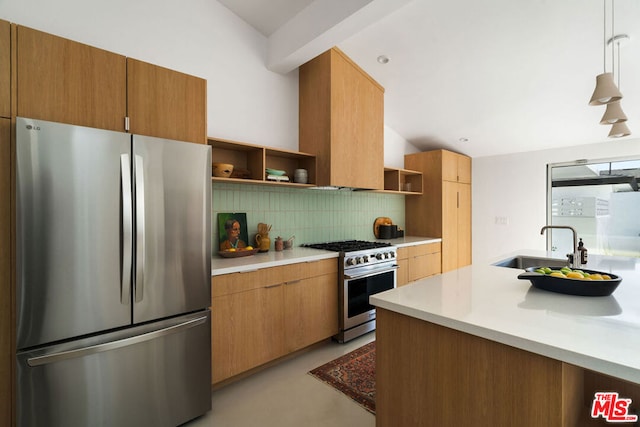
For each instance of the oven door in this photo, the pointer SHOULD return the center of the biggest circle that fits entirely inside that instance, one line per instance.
(359, 284)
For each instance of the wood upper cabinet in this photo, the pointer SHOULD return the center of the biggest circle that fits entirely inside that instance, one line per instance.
(444, 208)
(5, 69)
(166, 103)
(342, 121)
(65, 81)
(456, 167)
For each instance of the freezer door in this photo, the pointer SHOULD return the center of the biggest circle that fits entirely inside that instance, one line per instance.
(172, 271)
(158, 374)
(71, 263)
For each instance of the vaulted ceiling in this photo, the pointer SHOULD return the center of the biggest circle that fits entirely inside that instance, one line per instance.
(478, 77)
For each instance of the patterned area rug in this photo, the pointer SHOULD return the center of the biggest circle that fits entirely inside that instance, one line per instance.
(354, 374)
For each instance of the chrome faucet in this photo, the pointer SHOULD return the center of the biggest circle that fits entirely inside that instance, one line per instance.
(574, 258)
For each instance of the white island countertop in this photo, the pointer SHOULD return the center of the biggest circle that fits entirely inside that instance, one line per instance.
(597, 333)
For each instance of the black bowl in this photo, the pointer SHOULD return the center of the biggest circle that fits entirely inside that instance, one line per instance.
(587, 288)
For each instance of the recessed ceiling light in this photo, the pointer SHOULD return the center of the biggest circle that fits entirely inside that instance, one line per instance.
(463, 139)
(383, 59)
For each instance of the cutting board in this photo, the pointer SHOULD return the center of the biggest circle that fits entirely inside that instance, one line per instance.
(382, 220)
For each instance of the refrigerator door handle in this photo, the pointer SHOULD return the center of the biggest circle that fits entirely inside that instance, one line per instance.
(127, 229)
(112, 345)
(140, 234)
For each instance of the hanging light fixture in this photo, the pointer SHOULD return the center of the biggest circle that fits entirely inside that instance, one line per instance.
(614, 114)
(618, 130)
(606, 90)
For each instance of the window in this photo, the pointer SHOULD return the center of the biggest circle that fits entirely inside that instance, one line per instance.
(600, 199)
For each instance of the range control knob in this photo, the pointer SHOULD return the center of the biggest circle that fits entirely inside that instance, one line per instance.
(392, 254)
(350, 261)
(365, 258)
(379, 256)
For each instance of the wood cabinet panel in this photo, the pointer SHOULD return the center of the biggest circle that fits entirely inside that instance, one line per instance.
(342, 121)
(402, 259)
(428, 375)
(166, 103)
(246, 331)
(6, 284)
(311, 311)
(261, 315)
(444, 208)
(65, 81)
(5, 69)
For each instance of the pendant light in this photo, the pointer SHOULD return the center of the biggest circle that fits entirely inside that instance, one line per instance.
(606, 90)
(618, 130)
(614, 113)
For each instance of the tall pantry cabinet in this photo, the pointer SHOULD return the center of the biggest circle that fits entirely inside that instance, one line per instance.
(444, 208)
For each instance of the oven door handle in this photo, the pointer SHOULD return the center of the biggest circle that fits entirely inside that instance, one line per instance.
(371, 273)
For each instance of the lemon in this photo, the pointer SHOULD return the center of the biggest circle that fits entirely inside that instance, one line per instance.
(606, 277)
(557, 274)
(595, 277)
(249, 248)
(574, 275)
(232, 250)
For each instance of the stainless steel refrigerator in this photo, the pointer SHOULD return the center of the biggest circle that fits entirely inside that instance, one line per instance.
(113, 276)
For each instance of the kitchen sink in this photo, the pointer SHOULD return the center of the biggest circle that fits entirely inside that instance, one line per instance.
(524, 261)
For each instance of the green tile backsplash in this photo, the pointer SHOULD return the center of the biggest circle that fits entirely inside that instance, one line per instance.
(311, 215)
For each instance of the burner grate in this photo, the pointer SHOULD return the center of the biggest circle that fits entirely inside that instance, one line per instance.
(348, 245)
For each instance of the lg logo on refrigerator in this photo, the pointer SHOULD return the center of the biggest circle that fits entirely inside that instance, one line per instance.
(30, 127)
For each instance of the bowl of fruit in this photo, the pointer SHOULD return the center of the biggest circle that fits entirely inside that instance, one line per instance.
(590, 283)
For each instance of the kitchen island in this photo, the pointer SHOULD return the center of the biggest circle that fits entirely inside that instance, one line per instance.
(477, 346)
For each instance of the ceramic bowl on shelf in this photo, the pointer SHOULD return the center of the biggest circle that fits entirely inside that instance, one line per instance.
(222, 170)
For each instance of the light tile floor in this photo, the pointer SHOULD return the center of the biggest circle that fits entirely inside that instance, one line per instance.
(286, 395)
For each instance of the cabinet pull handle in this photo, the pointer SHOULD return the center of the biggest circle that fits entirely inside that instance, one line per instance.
(458, 199)
(273, 286)
(249, 271)
(293, 282)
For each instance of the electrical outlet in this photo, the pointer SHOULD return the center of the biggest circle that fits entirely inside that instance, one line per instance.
(502, 220)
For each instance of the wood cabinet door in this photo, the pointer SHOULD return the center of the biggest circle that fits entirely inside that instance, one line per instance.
(464, 225)
(311, 310)
(456, 167)
(246, 331)
(450, 202)
(456, 226)
(6, 294)
(166, 103)
(464, 169)
(69, 82)
(5, 69)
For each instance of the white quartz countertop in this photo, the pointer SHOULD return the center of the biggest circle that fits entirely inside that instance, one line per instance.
(272, 258)
(411, 241)
(597, 333)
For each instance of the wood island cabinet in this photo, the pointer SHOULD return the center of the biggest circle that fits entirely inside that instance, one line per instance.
(418, 261)
(444, 208)
(262, 315)
(65, 81)
(341, 121)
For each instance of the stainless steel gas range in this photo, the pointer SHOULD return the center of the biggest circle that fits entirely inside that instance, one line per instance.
(365, 268)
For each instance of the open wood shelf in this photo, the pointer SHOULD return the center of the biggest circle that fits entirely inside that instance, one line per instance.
(256, 158)
(396, 181)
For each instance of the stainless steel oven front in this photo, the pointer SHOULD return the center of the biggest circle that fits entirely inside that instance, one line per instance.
(363, 274)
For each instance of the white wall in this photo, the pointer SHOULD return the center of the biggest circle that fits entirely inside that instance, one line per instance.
(515, 186)
(246, 101)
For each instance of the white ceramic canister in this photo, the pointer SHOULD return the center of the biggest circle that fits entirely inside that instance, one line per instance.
(300, 176)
